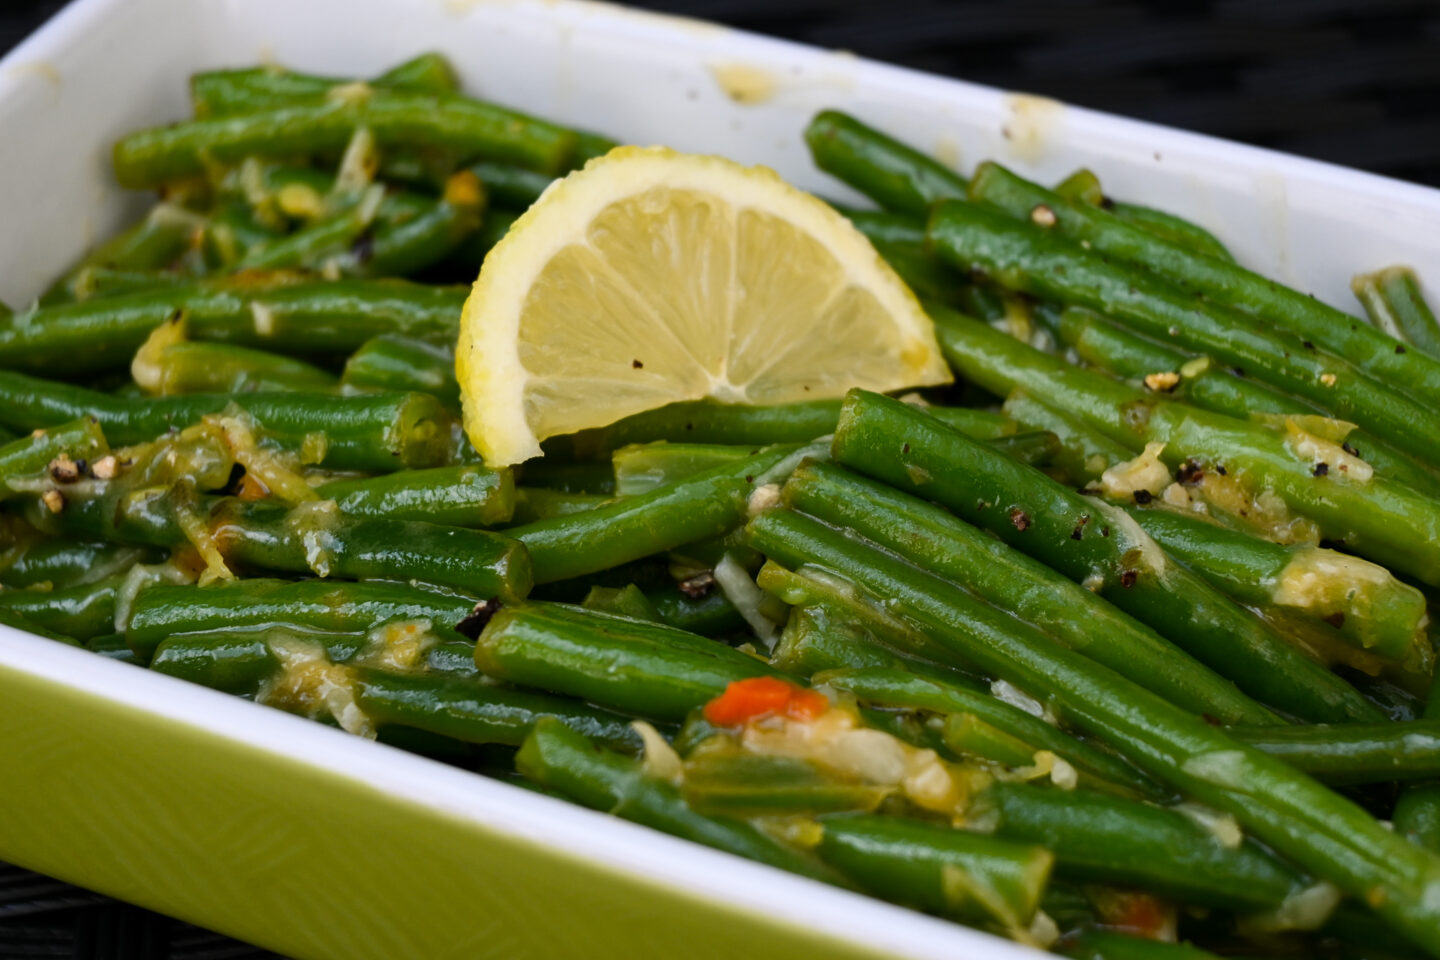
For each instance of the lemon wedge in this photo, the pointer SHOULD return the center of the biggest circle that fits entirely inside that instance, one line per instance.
(651, 277)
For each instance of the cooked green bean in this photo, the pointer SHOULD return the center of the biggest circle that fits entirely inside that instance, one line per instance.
(272, 313)
(1376, 517)
(895, 176)
(1358, 600)
(460, 496)
(1107, 839)
(58, 453)
(1393, 300)
(379, 432)
(1322, 832)
(69, 563)
(1412, 373)
(321, 606)
(1093, 544)
(397, 362)
(1013, 581)
(705, 504)
(219, 93)
(939, 869)
(633, 666)
(557, 757)
(1028, 258)
(83, 611)
(921, 691)
(395, 118)
(1349, 753)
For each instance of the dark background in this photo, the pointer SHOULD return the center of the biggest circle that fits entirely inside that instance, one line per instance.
(1355, 82)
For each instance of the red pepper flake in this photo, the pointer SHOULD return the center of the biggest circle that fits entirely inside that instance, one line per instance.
(756, 697)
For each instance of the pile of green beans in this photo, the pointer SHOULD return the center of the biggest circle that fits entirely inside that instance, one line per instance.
(1121, 648)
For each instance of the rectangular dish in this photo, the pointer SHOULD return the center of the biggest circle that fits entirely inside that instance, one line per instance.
(314, 844)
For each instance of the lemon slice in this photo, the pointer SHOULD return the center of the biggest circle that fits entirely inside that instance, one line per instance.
(653, 276)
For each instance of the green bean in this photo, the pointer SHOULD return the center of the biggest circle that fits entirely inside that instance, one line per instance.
(272, 313)
(627, 601)
(379, 432)
(740, 784)
(320, 606)
(94, 282)
(511, 187)
(710, 615)
(17, 621)
(633, 666)
(1110, 347)
(541, 503)
(69, 563)
(938, 868)
(1351, 753)
(470, 253)
(1085, 454)
(1090, 543)
(1322, 832)
(312, 539)
(1361, 602)
(1082, 186)
(706, 421)
(1036, 448)
(1378, 518)
(933, 693)
(476, 712)
(1226, 285)
(1174, 230)
(1116, 350)
(396, 362)
(706, 504)
(189, 367)
(240, 661)
(400, 248)
(57, 453)
(1417, 812)
(155, 242)
(218, 93)
(232, 230)
(80, 612)
(460, 496)
(815, 640)
(1029, 259)
(891, 638)
(1107, 839)
(395, 118)
(892, 229)
(112, 646)
(895, 176)
(640, 468)
(1014, 581)
(318, 243)
(557, 757)
(1394, 302)
(1207, 386)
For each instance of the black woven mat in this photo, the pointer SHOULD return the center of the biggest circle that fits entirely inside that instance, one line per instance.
(1352, 81)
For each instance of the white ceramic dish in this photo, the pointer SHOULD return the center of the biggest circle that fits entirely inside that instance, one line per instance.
(318, 845)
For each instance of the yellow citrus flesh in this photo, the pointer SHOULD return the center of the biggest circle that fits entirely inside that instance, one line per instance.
(652, 277)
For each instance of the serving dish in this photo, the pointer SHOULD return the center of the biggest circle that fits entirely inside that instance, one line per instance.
(317, 845)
